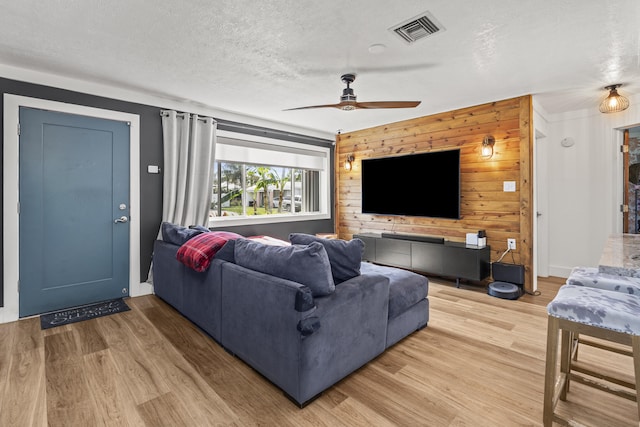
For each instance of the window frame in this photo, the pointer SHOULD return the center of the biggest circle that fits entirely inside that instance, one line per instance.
(321, 155)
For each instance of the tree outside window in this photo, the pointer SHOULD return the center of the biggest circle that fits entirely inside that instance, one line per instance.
(248, 189)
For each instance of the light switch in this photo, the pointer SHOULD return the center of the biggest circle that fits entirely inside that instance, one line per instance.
(153, 169)
(509, 186)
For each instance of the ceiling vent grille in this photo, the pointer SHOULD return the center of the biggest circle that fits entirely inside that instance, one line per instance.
(417, 28)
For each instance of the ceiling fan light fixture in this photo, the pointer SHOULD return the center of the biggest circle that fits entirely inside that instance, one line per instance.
(614, 102)
(348, 107)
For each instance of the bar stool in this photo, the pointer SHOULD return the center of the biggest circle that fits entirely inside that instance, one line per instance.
(608, 315)
(593, 278)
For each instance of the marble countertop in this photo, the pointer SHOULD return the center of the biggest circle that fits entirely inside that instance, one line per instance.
(621, 255)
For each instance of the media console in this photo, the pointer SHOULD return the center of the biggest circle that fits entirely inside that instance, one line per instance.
(428, 255)
(414, 237)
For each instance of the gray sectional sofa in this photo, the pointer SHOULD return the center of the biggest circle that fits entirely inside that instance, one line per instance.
(302, 320)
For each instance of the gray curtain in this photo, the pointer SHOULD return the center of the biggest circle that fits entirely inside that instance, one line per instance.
(189, 151)
(189, 156)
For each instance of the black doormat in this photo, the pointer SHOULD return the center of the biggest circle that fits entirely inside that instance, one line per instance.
(85, 312)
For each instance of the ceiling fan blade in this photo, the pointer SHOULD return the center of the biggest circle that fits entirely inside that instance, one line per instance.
(388, 104)
(315, 106)
(348, 100)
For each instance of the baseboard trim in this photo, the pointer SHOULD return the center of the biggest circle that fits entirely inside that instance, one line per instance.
(559, 271)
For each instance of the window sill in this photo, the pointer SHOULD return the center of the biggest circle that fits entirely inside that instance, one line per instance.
(221, 221)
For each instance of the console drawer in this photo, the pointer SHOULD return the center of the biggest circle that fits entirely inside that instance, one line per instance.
(427, 257)
(393, 252)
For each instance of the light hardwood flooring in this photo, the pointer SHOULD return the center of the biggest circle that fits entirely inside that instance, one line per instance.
(480, 362)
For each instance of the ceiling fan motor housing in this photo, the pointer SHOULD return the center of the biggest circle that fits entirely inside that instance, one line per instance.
(347, 95)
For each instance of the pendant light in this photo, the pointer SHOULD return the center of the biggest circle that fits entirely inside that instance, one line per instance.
(614, 102)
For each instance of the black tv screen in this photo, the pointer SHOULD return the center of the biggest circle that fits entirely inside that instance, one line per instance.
(425, 184)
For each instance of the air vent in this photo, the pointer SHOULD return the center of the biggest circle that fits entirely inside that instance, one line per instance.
(417, 28)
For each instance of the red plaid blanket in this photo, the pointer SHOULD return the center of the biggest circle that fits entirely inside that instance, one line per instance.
(198, 251)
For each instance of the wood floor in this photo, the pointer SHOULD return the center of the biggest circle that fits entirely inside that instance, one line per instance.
(480, 362)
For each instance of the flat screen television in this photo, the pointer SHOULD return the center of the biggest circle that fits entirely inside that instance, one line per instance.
(425, 184)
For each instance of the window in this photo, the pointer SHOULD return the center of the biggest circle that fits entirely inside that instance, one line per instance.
(246, 189)
(290, 183)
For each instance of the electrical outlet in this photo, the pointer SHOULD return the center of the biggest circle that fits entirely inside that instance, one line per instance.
(511, 244)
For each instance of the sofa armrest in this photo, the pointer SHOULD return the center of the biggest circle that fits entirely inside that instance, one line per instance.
(353, 331)
(195, 295)
(168, 273)
(260, 324)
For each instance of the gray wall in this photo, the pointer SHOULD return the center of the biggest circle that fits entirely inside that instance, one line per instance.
(151, 154)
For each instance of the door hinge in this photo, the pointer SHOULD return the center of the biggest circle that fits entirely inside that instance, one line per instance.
(18, 129)
(18, 286)
(624, 208)
(18, 208)
(624, 148)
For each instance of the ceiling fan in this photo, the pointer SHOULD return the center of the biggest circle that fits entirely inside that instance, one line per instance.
(348, 100)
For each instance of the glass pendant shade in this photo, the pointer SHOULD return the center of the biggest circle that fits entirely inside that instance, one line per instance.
(348, 164)
(487, 151)
(614, 102)
(487, 146)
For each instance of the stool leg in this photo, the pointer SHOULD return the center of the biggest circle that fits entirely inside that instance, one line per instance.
(550, 370)
(573, 356)
(566, 347)
(635, 344)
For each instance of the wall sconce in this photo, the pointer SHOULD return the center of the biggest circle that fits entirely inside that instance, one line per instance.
(614, 102)
(348, 164)
(487, 146)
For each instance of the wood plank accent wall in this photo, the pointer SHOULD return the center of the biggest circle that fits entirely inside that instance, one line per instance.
(483, 203)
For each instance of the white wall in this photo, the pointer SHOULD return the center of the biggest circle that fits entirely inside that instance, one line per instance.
(584, 184)
(114, 92)
(541, 193)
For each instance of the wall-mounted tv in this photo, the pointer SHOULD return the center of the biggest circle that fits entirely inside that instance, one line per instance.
(425, 184)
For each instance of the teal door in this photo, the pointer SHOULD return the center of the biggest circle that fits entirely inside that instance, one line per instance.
(74, 210)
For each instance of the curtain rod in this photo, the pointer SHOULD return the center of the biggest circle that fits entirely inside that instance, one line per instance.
(260, 131)
(165, 113)
(271, 133)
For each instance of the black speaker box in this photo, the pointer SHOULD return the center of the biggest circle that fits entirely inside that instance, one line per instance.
(510, 273)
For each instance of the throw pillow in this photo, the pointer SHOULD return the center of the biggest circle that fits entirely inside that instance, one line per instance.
(226, 252)
(307, 265)
(198, 252)
(177, 234)
(345, 256)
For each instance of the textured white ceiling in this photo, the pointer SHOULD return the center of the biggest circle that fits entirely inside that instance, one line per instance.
(261, 57)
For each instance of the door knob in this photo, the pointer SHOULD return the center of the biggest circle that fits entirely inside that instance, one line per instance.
(121, 219)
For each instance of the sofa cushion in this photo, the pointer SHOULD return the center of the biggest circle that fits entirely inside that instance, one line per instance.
(345, 256)
(178, 234)
(198, 251)
(200, 228)
(308, 265)
(406, 288)
(225, 253)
